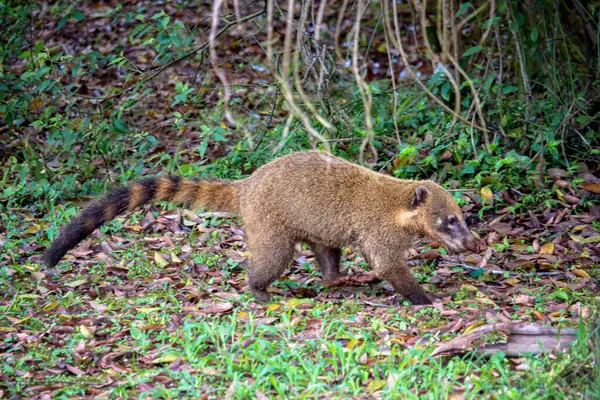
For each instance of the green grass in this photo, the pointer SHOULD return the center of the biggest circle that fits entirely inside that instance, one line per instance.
(240, 355)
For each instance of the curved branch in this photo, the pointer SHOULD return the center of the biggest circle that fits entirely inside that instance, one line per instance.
(397, 42)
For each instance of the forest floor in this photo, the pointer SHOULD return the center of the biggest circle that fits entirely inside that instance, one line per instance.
(156, 304)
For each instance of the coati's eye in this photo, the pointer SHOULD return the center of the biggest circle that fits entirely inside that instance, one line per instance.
(452, 220)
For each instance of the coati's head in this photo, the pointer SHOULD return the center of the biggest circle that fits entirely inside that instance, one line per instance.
(439, 217)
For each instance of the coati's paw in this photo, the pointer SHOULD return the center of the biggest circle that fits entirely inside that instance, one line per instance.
(261, 296)
(422, 298)
(335, 280)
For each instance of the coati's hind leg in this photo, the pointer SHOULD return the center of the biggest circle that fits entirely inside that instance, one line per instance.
(328, 259)
(270, 256)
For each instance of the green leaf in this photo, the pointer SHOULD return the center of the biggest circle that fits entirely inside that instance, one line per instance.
(163, 38)
(61, 23)
(136, 333)
(509, 89)
(44, 85)
(203, 146)
(467, 169)
(167, 358)
(583, 119)
(488, 82)
(463, 9)
(164, 22)
(78, 15)
(475, 274)
(218, 137)
(120, 126)
(137, 30)
(561, 294)
(446, 90)
(472, 50)
(534, 35)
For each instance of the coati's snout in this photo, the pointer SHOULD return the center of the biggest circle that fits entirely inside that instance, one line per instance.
(452, 230)
(442, 219)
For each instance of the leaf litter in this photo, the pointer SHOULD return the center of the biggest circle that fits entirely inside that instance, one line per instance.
(206, 278)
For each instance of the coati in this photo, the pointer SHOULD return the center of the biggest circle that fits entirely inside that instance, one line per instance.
(309, 196)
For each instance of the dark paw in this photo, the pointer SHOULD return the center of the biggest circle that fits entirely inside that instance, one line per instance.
(335, 279)
(261, 296)
(421, 299)
(354, 279)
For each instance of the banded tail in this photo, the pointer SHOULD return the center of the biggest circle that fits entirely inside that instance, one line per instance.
(211, 194)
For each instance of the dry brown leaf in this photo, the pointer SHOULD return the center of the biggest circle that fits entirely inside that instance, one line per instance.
(486, 194)
(548, 248)
(556, 173)
(160, 261)
(538, 315)
(74, 370)
(571, 199)
(525, 300)
(76, 283)
(580, 273)
(590, 187)
(217, 308)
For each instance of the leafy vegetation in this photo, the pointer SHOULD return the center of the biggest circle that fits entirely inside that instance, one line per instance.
(95, 94)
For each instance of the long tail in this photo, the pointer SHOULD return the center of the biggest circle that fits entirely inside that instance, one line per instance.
(210, 194)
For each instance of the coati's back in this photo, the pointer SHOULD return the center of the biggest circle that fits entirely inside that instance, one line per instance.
(321, 197)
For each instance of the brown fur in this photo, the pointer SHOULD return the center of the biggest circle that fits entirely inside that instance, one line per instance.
(307, 196)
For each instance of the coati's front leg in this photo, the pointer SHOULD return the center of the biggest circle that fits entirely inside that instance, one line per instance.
(328, 259)
(394, 269)
(270, 256)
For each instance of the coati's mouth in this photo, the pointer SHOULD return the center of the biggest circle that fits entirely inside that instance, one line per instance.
(457, 245)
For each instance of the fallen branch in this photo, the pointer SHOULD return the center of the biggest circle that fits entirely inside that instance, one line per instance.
(521, 337)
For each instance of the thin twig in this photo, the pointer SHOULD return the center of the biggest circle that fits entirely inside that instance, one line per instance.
(561, 126)
(473, 138)
(461, 71)
(338, 28)
(490, 23)
(524, 76)
(472, 15)
(282, 77)
(296, 65)
(213, 60)
(363, 87)
(500, 76)
(397, 42)
(421, 9)
(393, 78)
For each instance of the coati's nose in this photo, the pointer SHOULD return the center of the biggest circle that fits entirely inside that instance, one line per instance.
(471, 244)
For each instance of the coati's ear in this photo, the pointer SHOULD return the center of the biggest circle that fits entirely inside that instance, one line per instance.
(419, 196)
